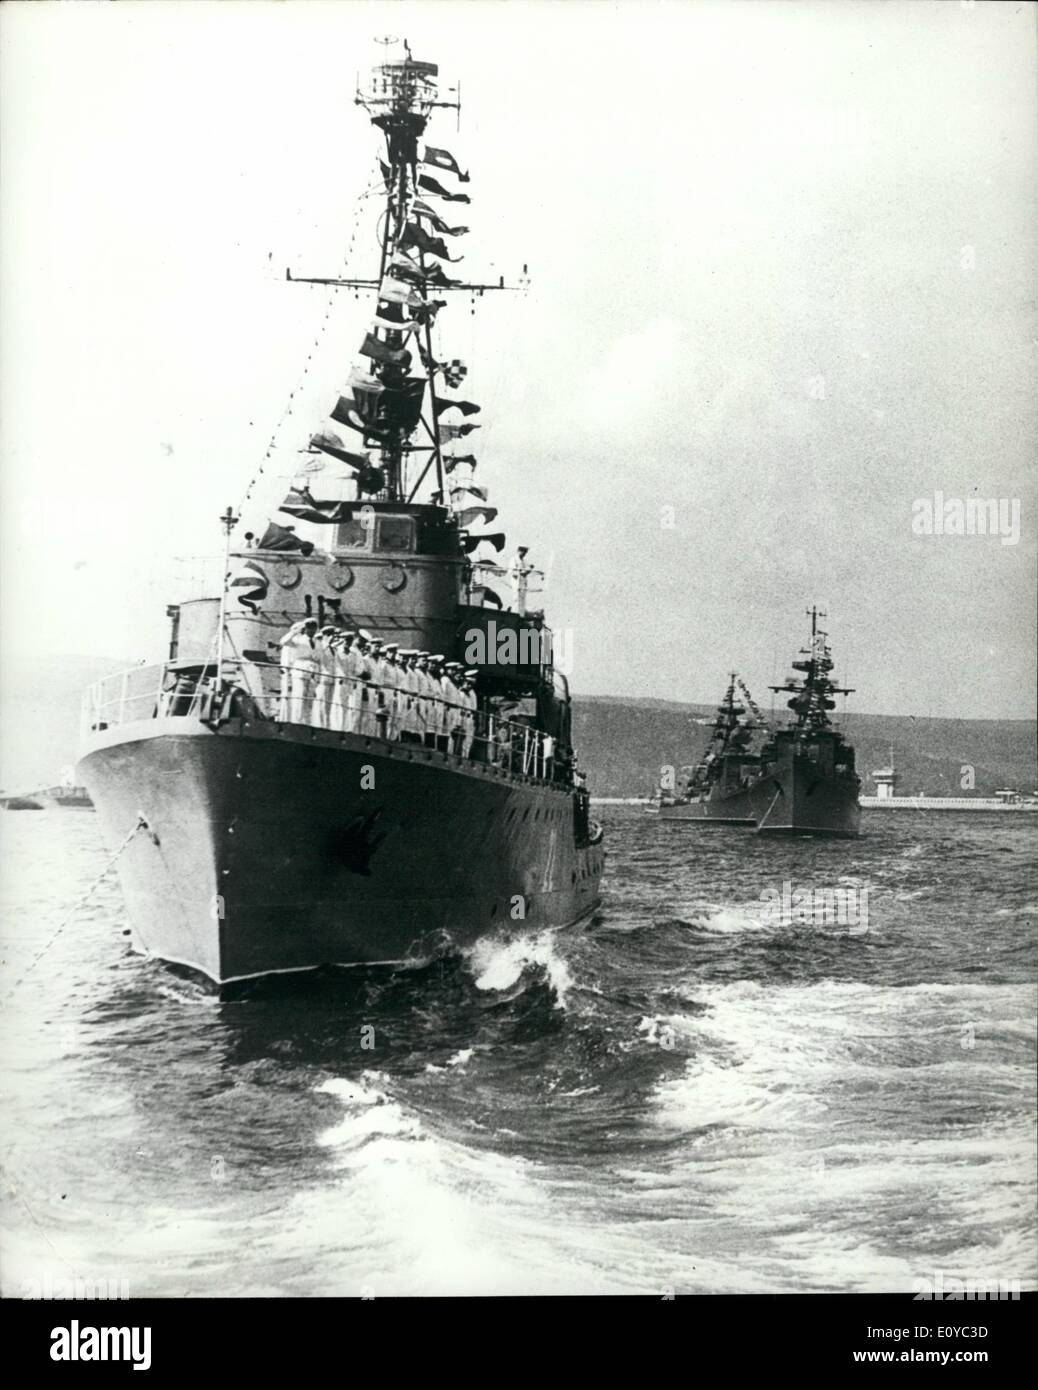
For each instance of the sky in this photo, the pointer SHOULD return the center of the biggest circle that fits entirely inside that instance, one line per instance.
(782, 288)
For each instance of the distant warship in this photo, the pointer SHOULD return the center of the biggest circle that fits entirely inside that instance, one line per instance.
(65, 795)
(308, 786)
(800, 780)
(718, 788)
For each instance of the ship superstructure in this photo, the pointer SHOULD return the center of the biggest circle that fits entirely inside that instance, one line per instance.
(358, 751)
(716, 787)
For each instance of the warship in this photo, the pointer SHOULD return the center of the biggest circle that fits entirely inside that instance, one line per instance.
(357, 752)
(719, 788)
(800, 781)
(65, 795)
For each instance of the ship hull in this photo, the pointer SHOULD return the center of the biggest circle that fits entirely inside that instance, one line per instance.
(797, 799)
(737, 809)
(278, 849)
(794, 799)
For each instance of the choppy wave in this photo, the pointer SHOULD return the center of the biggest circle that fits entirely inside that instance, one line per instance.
(685, 1094)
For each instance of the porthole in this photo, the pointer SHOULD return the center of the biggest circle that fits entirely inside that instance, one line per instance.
(340, 575)
(287, 574)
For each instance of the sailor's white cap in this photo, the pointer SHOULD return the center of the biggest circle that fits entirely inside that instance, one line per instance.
(472, 672)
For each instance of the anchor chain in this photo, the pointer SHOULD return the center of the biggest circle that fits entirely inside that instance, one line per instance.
(141, 824)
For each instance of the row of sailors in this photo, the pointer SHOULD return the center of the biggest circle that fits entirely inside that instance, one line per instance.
(353, 682)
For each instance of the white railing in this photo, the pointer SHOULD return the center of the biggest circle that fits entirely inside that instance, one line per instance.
(263, 690)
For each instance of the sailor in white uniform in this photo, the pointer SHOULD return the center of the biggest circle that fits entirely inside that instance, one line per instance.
(378, 707)
(391, 677)
(426, 692)
(408, 696)
(415, 688)
(518, 574)
(438, 720)
(338, 709)
(547, 756)
(364, 675)
(471, 702)
(356, 674)
(300, 666)
(453, 711)
(320, 712)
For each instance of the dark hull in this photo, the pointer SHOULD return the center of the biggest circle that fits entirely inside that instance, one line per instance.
(71, 802)
(799, 800)
(737, 809)
(794, 799)
(266, 854)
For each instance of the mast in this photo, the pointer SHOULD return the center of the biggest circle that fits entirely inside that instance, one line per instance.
(812, 702)
(392, 449)
(392, 394)
(228, 521)
(399, 99)
(731, 732)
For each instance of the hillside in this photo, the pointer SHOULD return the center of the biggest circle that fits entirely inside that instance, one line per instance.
(623, 744)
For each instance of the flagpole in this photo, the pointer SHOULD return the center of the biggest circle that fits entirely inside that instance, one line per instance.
(228, 521)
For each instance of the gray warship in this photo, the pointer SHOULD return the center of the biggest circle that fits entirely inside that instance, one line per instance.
(296, 787)
(800, 781)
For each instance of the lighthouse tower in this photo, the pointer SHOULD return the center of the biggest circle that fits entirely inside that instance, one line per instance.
(885, 779)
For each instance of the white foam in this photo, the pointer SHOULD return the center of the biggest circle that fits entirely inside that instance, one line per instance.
(370, 1113)
(416, 1213)
(497, 965)
(731, 920)
(813, 1112)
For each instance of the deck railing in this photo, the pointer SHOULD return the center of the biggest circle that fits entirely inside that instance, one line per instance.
(266, 691)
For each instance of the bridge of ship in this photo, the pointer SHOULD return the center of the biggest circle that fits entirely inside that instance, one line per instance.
(396, 570)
